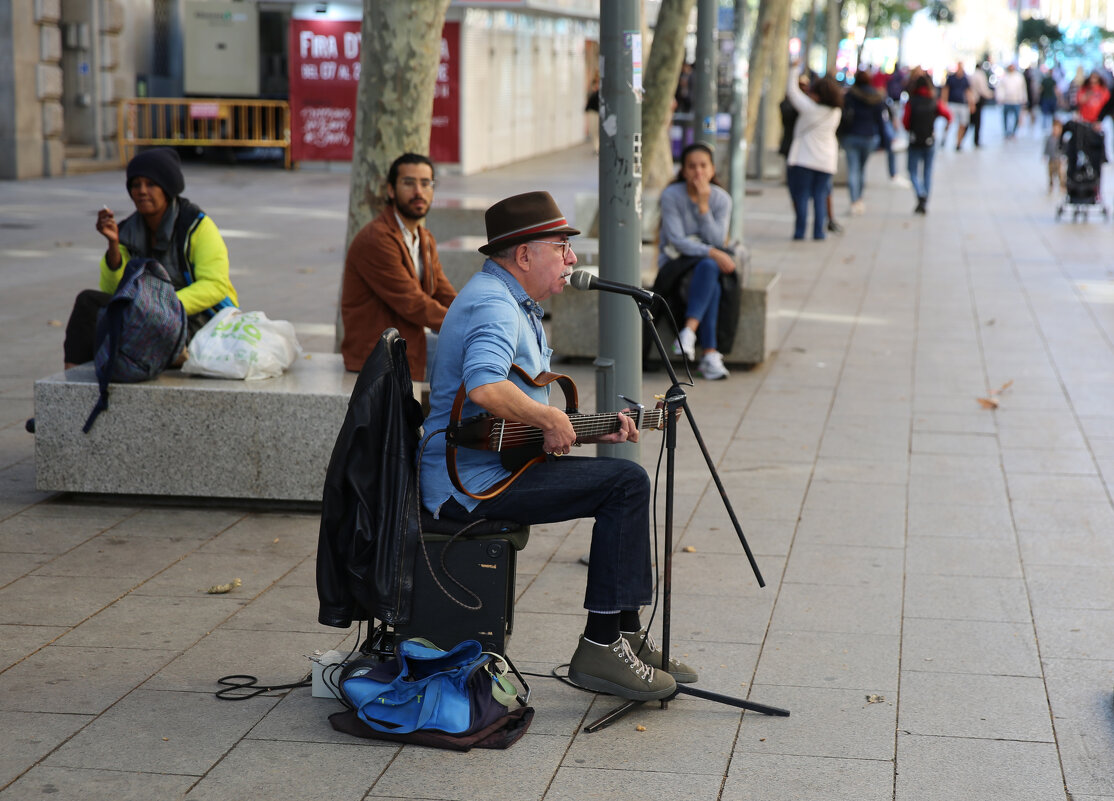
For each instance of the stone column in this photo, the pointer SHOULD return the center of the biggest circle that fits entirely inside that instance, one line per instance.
(30, 88)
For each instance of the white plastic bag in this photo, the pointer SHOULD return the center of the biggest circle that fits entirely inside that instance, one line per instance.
(238, 344)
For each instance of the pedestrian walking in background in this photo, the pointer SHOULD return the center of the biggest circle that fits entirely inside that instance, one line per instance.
(1050, 99)
(862, 129)
(920, 121)
(980, 88)
(592, 115)
(814, 151)
(959, 98)
(788, 124)
(1011, 94)
(1092, 98)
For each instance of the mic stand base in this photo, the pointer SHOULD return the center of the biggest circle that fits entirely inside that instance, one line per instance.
(676, 400)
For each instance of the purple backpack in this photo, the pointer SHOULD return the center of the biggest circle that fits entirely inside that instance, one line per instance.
(140, 332)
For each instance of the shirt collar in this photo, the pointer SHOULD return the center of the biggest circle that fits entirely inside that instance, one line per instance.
(406, 235)
(529, 305)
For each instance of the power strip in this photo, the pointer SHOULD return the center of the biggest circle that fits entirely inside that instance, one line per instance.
(326, 674)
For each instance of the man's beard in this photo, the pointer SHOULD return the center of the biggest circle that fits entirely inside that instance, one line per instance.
(404, 211)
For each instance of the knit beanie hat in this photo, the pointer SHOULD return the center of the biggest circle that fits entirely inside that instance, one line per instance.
(160, 165)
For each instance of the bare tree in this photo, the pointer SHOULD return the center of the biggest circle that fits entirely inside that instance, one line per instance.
(765, 48)
(663, 68)
(400, 52)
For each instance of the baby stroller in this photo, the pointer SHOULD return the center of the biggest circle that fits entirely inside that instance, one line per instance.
(1085, 151)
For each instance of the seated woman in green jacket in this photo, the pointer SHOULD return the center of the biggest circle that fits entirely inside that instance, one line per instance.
(165, 227)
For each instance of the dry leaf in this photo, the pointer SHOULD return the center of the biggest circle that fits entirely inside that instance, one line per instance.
(1002, 388)
(640, 727)
(875, 699)
(689, 549)
(987, 403)
(275, 541)
(54, 323)
(220, 589)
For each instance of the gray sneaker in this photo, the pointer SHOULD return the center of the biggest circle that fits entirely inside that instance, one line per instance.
(651, 655)
(614, 669)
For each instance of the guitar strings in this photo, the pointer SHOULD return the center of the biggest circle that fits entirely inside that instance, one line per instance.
(514, 435)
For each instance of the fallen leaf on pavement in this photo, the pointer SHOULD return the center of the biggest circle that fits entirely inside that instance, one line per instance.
(987, 403)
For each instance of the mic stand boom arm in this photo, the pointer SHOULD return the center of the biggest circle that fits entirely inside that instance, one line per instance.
(676, 399)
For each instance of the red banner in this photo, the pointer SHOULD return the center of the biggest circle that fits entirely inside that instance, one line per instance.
(444, 138)
(324, 76)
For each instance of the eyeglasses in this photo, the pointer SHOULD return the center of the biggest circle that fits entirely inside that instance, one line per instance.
(566, 246)
(414, 183)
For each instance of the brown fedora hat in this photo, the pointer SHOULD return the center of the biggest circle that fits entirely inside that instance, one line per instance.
(522, 218)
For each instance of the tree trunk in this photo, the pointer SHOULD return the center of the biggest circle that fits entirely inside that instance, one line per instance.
(835, 33)
(663, 68)
(775, 92)
(871, 14)
(400, 53)
(810, 35)
(765, 49)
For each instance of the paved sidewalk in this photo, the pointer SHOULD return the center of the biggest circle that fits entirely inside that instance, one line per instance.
(939, 608)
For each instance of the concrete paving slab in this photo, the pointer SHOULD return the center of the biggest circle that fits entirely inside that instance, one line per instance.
(334, 770)
(29, 736)
(824, 659)
(97, 785)
(981, 707)
(966, 598)
(451, 776)
(980, 521)
(162, 732)
(152, 623)
(816, 716)
(111, 555)
(760, 777)
(1072, 587)
(940, 768)
(969, 646)
(868, 609)
(848, 565)
(1076, 633)
(84, 681)
(198, 571)
(58, 600)
(19, 641)
(1079, 693)
(573, 783)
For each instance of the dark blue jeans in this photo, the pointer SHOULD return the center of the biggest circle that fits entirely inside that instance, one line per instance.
(858, 149)
(616, 492)
(806, 184)
(920, 169)
(704, 292)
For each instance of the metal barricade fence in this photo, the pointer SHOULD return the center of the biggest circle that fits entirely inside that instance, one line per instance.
(203, 122)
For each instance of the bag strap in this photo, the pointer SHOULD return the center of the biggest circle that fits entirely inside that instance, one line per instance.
(113, 320)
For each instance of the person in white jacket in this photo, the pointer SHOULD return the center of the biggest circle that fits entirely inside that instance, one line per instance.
(814, 152)
(1011, 95)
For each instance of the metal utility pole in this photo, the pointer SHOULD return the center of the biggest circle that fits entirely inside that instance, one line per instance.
(620, 206)
(704, 73)
(737, 154)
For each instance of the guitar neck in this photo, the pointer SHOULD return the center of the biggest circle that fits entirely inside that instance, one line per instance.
(506, 434)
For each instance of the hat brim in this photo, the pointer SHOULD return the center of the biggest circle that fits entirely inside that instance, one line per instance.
(491, 249)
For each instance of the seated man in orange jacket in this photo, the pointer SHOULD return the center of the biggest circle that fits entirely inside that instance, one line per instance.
(392, 276)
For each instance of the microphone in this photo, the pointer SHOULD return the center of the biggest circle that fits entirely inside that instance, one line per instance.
(582, 279)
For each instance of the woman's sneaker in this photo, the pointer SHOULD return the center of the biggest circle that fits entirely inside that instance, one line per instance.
(651, 655)
(711, 366)
(614, 669)
(686, 344)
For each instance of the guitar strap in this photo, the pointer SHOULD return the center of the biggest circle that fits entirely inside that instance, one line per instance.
(544, 378)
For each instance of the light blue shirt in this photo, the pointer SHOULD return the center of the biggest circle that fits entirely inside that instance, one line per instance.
(491, 325)
(687, 232)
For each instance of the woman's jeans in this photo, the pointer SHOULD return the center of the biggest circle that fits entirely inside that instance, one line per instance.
(920, 169)
(616, 492)
(806, 184)
(858, 149)
(704, 293)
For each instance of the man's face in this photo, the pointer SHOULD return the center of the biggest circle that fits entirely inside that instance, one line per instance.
(412, 192)
(550, 266)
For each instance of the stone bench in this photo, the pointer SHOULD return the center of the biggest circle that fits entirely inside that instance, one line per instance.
(574, 321)
(182, 435)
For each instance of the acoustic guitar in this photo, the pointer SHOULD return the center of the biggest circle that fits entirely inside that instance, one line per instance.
(520, 446)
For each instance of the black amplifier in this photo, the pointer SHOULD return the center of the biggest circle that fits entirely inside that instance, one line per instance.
(484, 566)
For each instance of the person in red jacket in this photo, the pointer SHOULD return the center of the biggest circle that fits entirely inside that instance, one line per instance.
(392, 276)
(920, 121)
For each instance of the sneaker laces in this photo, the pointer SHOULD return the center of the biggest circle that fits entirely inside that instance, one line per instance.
(640, 668)
(652, 646)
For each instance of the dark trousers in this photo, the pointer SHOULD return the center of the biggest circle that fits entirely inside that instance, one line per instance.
(81, 329)
(616, 492)
(806, 184)
(976, 119)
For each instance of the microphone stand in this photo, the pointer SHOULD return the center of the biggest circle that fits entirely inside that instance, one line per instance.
(676, 399)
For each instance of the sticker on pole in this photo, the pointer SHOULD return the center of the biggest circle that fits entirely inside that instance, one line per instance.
(709, 124)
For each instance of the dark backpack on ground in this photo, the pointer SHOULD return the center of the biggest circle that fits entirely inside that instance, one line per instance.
(922, 121)
(140, 332)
